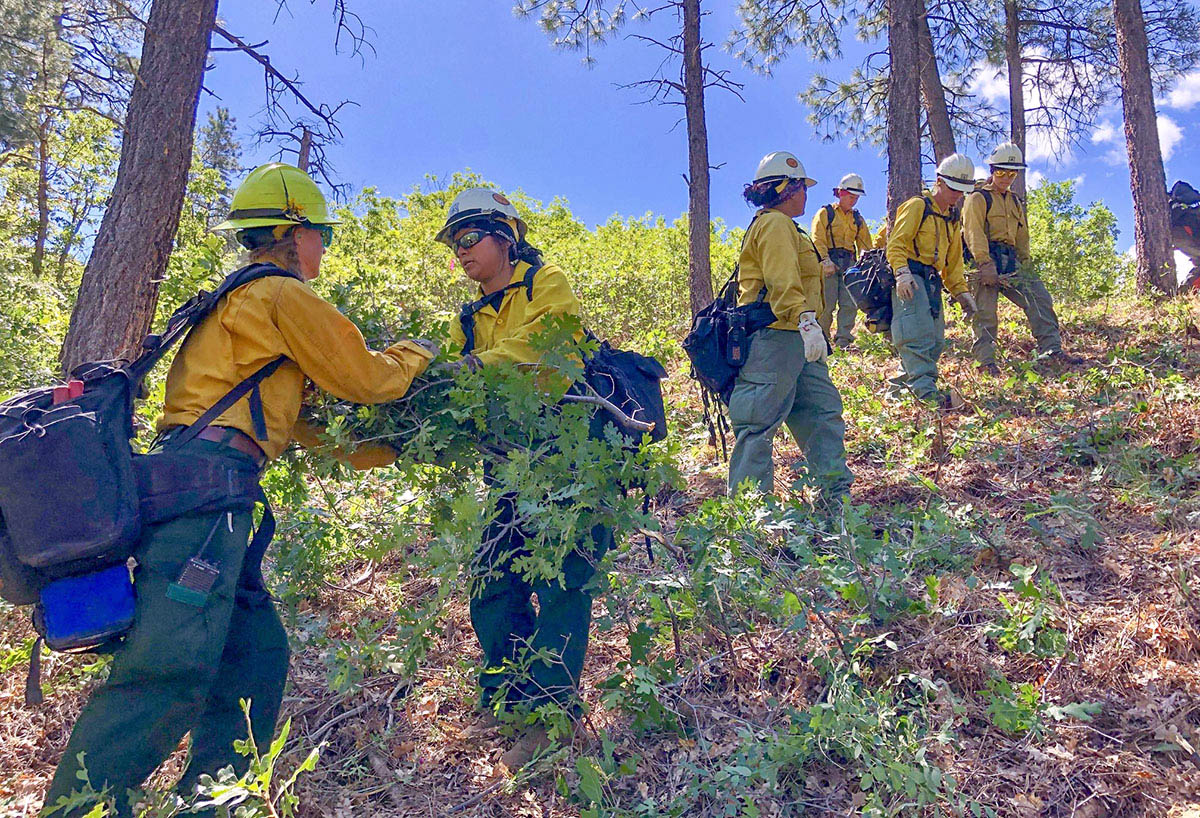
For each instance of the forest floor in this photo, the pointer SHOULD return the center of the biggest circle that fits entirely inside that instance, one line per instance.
(1070, 691)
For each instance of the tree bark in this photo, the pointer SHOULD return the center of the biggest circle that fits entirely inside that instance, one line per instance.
(43, 196)
(700, 287)
(1151, 225)
(1016, 87)
(937, 114)
(904, 113)
(119, 290)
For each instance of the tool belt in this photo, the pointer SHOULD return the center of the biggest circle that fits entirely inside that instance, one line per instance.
(933, 284)
(842, 258)
(1005, 256)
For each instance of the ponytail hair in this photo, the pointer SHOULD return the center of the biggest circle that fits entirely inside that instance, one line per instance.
(526, 252)
(764, 193)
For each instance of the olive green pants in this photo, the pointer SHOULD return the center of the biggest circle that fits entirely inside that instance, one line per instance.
(182, 668)
(550, 643)
(776, 386)
(838, 295)
(919, 337)
(1026, 290)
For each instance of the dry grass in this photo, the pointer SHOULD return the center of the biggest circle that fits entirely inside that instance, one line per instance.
(414, 747)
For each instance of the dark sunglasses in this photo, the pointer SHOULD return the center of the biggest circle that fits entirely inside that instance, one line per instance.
(469, 239)
(326, 231)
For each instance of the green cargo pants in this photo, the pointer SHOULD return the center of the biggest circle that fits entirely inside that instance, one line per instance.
(1023, 288)
(919, 336)
(837, 295)
(778, 386)
(508, 628)
(181, 667)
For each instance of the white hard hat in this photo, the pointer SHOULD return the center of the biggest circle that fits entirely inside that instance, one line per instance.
(852, 183)
(1007, 156)
(479, 203)
(781, 165)
(958, 172)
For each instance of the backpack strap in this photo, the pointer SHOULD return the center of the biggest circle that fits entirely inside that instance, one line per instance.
(829, 224)
(187, 318)
(466, 315)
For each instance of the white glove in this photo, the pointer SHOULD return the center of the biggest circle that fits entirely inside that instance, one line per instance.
(967, 302)
(828, 267)
(815, 348)
(425, 343)
(906, 284)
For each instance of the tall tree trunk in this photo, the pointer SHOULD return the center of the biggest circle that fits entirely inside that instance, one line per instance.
(700, 287)
(43, 195)
(904, 101)
(1151, 227)
(1016, 87)
(937, 114)
(120, 283)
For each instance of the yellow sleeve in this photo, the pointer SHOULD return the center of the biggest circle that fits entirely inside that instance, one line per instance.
(904, 232)
(331, 351)
(367, 456)
(778, 245)
(974, 225)
(1023, 254)
(551, 296)
(820, 232)
(863, 240)
(952, 275)
(882, 238)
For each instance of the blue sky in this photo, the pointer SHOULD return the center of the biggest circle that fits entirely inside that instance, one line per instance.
(459, 84)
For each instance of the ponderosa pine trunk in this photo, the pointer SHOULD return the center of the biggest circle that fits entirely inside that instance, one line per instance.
(937, 113)
(119, 290)
(1016, 87)
(1151, 225)
(904, 101)
(700, 289)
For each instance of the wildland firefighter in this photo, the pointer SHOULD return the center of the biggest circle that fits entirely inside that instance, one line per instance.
(925, 251)
(785, 378)
(996, 231)
(205, 633)
(518, 294)
(841, 236)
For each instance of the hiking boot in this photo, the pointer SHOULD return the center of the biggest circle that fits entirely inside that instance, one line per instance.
(948, 400)
(532, 743)
(1064, 358)
(844, 343)
(991, 370)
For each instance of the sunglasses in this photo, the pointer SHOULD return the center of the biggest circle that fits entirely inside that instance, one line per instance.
(326, 231)
(1005, 173)
(469, 239)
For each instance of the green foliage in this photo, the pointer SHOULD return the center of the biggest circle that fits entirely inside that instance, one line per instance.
(1075, 248)
(1029, 616)
(1019, 710)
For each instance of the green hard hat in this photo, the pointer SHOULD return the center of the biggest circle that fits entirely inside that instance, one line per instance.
(276, 194)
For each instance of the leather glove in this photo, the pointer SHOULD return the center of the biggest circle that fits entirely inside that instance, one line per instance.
(967, 302)
(425, 343)
(828, 267)
(906, 284)
(987, 274)
(471, 362)
(815, 347)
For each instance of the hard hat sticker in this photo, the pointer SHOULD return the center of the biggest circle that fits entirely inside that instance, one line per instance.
(499, 197)
(792, 163)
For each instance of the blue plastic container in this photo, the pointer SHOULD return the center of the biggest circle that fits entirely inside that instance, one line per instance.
(83, 612)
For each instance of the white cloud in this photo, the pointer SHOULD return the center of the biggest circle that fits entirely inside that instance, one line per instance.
(991, 84)
(1105, 132)
(1169, 135)
(1186, 92)
(1035, 178)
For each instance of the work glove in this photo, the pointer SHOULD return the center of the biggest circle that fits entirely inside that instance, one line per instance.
(815, 347)
(967, 302)
(906, 284)
(471, 362)
(828, 267)
(987, 273)
(426, 344)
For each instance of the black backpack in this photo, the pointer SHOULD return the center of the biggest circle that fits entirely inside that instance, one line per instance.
(69, 491)
(870, 283)
(629, 380)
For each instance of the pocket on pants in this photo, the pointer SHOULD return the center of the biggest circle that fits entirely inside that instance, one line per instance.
(752, 402)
